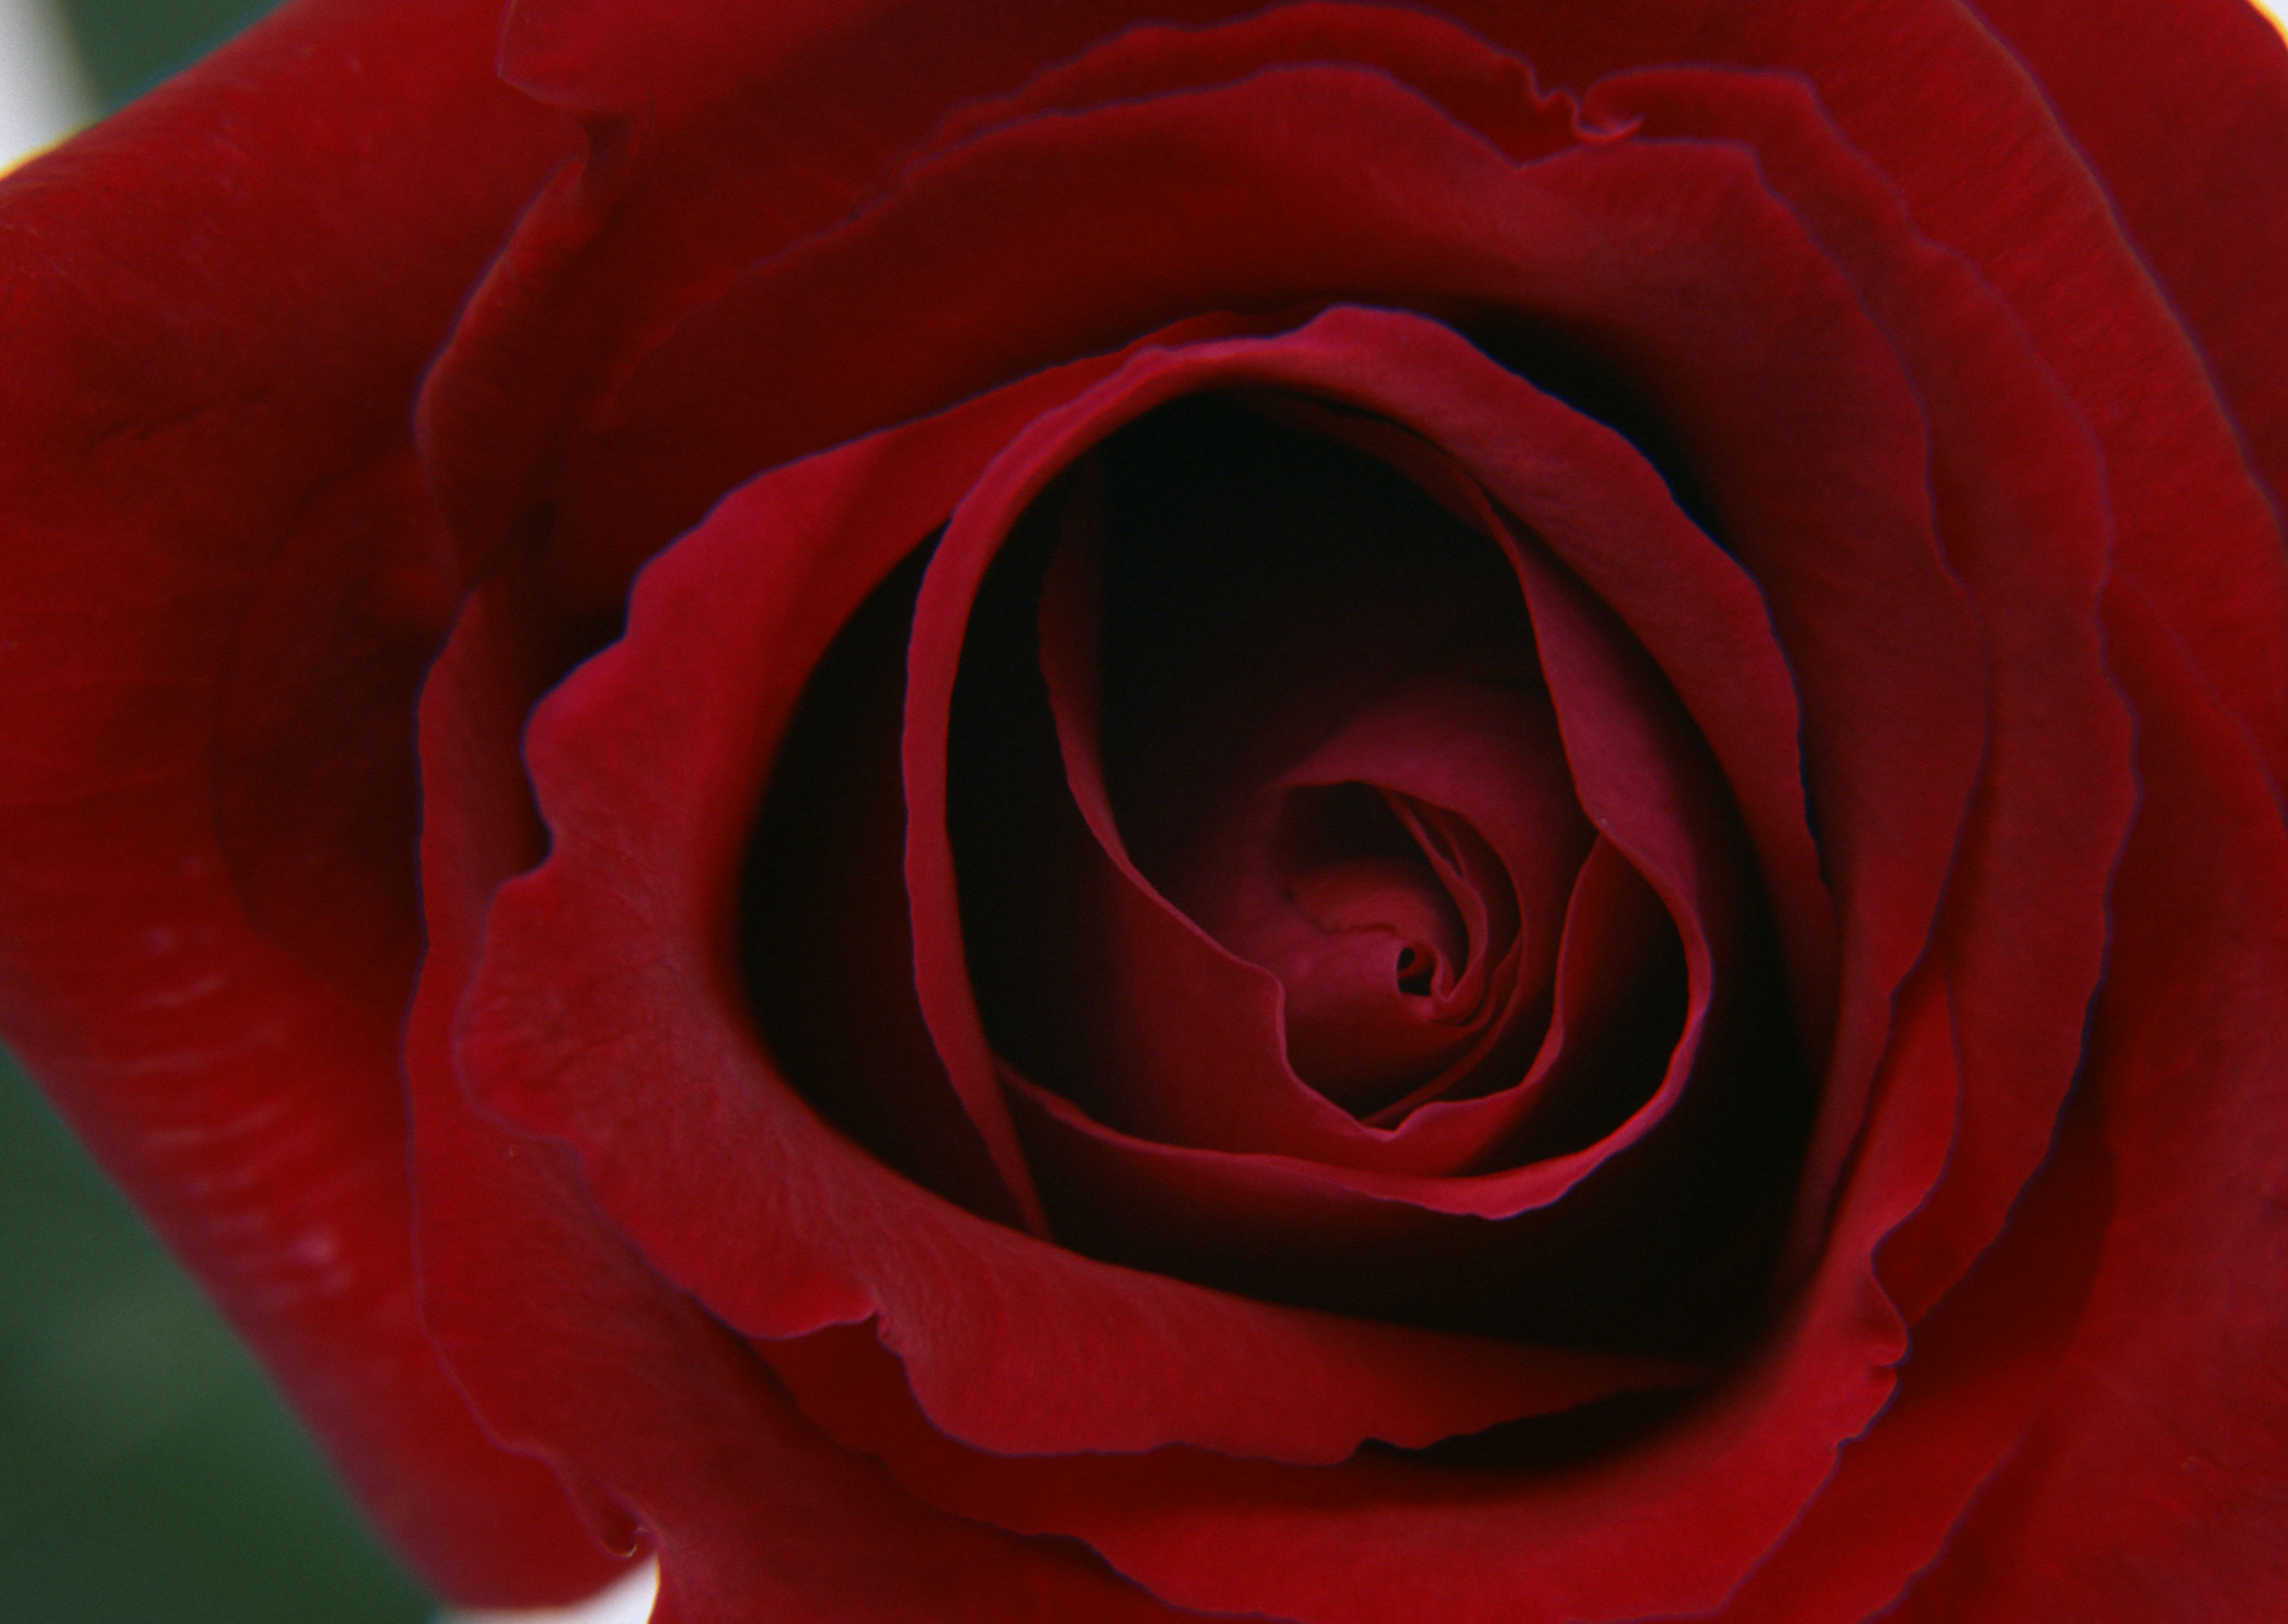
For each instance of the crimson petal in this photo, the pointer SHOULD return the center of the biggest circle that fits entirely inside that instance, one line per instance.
(646, 802)
(205, 443)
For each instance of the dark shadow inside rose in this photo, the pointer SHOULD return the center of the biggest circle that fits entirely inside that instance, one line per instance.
(1262, 588)
(1664, 1248)
(1311, 698)
(1573, 1438)
(1591, 376)
(825, 944)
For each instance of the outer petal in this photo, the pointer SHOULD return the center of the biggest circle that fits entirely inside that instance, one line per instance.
(2183, 111)
(1925, 89)
(2153, 1484)
(2021, 499)
(669, 1427)
(242, 277)
(1944, 110)
(1537, 1540)
(690, 175)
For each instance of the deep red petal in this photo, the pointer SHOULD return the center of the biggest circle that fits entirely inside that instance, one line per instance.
(2030, 211)
(1980, 1365)
(2183, 112)
(668, 1429)
(2150, 1483)
(688, 178)
(1711, 1493)
(1093, 967)
(1953, 119)
(688, 181)
(2021, 512)
(1095, 1012)
(1286, 656)
(1487, 89)
(206, 391)
(640, 1051)
(1017, 248)
(1274, 1227)
(1155, 1197)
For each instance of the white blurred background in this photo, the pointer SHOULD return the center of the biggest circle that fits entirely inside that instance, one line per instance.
(43, 93)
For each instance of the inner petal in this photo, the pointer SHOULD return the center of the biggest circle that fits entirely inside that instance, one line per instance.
(1326, 740)
(1368, 941)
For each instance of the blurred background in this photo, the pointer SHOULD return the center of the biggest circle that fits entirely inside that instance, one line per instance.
(147, 1474)
(63, 62)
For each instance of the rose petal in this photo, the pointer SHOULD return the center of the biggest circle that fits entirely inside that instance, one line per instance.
(1981, 1362)
(1935, 100)
(826, 950)
(1215, 1076)
(1481, 86)
(2150, 1479)
(2036, 209)
(203, 408)
(667, 1428)
(1905, 818)
(1641, 808)
(2195, 194)
(1711, 1490)
(645, 799)
(1365, 637)
(1076, 929)
(687, 179)
(2024, 923)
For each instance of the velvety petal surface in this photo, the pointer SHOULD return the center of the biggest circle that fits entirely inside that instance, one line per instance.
(668, 1429)
(2024, 923)
(1631, 784)
(2150, 1479)
(2197, 193)
(217, 306)
(1942, 107)
(1872, 411)
(1711, 1491)
(688, 178)
(768, 323)
(2038, 208)
(644, 1056)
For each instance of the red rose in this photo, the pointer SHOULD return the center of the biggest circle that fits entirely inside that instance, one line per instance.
(1346, 814)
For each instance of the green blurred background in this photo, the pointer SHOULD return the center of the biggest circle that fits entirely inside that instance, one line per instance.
(128, 46)
(148, 1474)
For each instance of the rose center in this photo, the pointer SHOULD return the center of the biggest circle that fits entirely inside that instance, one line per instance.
(1379, 917)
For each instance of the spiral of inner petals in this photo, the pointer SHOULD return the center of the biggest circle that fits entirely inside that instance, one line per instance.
(1399, 862)
(1396, 928)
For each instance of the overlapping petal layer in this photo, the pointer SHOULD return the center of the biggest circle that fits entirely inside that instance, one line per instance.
(1828, 419)
(1982, 523)
(833, 1237)
(1862, 222)
(220, 578)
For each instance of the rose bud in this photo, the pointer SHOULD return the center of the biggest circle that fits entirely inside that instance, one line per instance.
(1336, 814)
